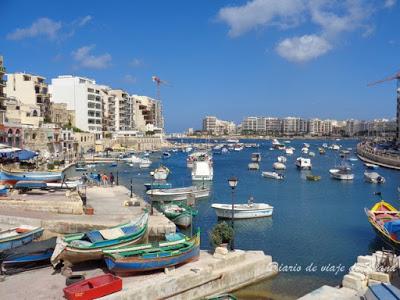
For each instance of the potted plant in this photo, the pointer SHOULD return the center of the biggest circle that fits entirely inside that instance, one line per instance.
(221, 235)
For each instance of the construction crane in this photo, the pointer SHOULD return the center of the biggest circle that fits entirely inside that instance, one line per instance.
(393, 77)
(158, 82)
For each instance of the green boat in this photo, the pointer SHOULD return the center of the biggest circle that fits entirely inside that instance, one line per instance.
(80, 247)
(313, 177)
(179, 213)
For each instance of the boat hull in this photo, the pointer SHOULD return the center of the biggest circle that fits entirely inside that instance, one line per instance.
(227, 214)
(18, 241)
(14, 177)
(183, 220)
(181, 196)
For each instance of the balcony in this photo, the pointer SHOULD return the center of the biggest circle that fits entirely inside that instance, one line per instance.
(2, 69)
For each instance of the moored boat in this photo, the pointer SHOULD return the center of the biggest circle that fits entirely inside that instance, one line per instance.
(80, 247)
(19, 236)
(158, 185)
(243, 211)
(161, 173)
(178, 194)
(253, 166)
(279, 166)
(203, 170)
(281, 159)
(93, 288)
(11, 177)
(179, 213)
(256, 157)
(4, 190)
(342, 173)
(176, 250)
(371, 166)
(273, 175)
(373, 177)
(145, 163)
(289, 151)
(303, 163)
(313, 177)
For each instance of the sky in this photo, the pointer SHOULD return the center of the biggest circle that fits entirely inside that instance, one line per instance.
(230, 59)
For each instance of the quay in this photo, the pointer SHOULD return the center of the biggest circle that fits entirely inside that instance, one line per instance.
(366, 152)
(62, 212)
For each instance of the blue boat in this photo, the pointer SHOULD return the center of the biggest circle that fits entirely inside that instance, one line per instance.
(19, 236)
(113, 164)
(11, 177)
(3, 190)
(30, 185)
(31, 256)
(157, 185)
(382, 291)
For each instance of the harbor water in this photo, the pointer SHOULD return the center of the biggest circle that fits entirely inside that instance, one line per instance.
(318, 228)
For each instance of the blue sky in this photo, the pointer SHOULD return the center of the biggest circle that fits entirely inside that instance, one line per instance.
(226, 58)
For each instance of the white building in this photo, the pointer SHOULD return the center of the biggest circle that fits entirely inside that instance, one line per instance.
(82, 95)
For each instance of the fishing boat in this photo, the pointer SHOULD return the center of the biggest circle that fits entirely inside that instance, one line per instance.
(371, 166)
(385, 220)
(11, 177)
(253, 166)
(4, 190)
(157, 185)
(256, 157)
(145, 163)
(179, 213)
(232, 141)
(80, 247)
(279, 166)
(313, 177)
(93, 288)
(273, 175)
(243, 211)
(202, 170)
(382, 291)
(161, 173)
(282, 159)
(30, 256)
(166, 155)
(176, 250)
(343, 172)
(19, 236)
(373, 177)
(178, 194)
(306, 145)
(303, 163)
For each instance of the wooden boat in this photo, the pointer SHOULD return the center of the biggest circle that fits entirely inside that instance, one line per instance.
(385, 220)
(178, 194)
(176, 250)
(18, 236)
(273, 175)
(161, 173)
(8, 177)
(313, 177)
(382, 291)
(79, 247)
(157, 185)
(93, 288)
(31, 256)
(179, 213)
(222, 297)
(243, 211)
(253, 166)
(374, 177)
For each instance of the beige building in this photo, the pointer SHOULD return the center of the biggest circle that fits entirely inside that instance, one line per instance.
(2, 93)
(85, 141)
(20, 113)
(124, 112)
(31, 90)
(60, 115)
(218, 127)
(147, 114)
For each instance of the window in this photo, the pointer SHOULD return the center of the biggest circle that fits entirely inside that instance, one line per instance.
(90, 90)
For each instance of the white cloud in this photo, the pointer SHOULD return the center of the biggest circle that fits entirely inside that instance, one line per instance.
(130, 79)
(87, 60)
(136, 62)
(41, 27)
(258, 13)
(304, 48)
(83, 21)
(390, 3)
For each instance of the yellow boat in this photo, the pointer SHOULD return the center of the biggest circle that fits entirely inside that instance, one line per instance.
(385, 220)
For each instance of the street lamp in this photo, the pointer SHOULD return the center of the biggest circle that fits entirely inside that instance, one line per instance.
(233, 181)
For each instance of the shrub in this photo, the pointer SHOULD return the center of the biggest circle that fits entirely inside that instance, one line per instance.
(221, 233)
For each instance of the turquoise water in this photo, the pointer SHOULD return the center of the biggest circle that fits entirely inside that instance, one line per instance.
(313, 222)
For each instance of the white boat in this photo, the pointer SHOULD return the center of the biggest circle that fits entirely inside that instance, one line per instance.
(161, 173)
(279, 166)
(287, 142)
(188, 149)
(306, 145)
(202, 170)
(238, 147)
(224, 150)
(272, 175)
(178, 194)
(256, 157)
(312, 154)
(303, 163)
(352, 159)
(282, 159)
(253, 166)
(232, 141)
(373, 177)
(325, 145)
(371, 166)
(277, 145)
(197, 156)
(304, 150)
(335, 147)
(243, 211)
(133, 159)
(145, 163)
(342, 173)
(289, 151)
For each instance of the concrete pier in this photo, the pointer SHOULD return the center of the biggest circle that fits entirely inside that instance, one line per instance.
(53, 212)
(208, 276)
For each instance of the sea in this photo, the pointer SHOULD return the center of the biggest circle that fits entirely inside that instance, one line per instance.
(318, 228)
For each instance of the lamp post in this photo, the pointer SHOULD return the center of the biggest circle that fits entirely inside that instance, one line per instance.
(233, 181)
(131, 189)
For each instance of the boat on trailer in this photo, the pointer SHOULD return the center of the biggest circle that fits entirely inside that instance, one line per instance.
(176, 250)
(80, 247)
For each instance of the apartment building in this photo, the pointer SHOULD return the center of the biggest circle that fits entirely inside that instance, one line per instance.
(2, 93)
(83, 96)
(30, 90)
(210, 124)
(124, 112)
(249, 124)
(147, 114)
(273, 125)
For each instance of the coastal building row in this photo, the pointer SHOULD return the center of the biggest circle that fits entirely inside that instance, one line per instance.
(291, 126)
